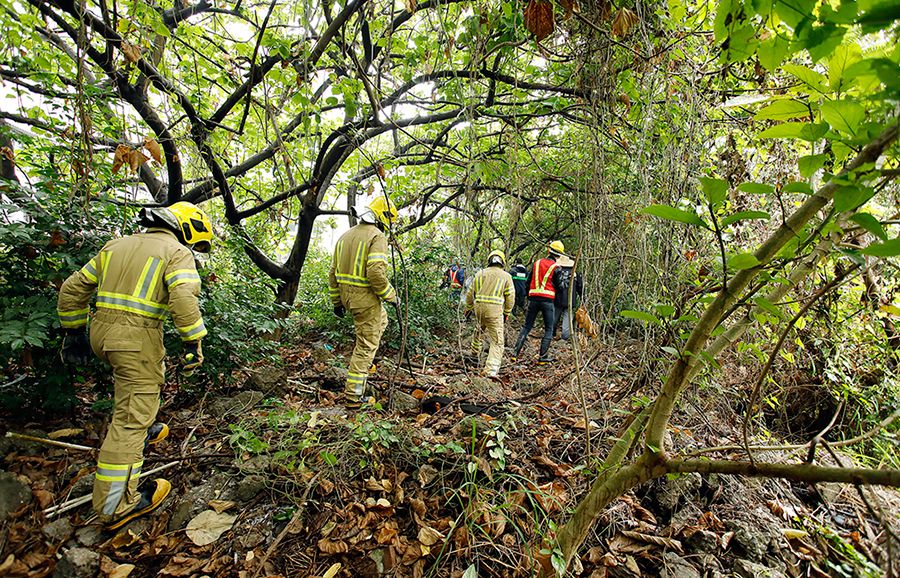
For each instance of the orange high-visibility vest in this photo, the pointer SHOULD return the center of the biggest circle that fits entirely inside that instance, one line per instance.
(454, 281)
(542, 279)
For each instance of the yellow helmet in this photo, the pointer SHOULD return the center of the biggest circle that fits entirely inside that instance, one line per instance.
(557, 247)
(384, 210)
(496, 258)
(189, 223)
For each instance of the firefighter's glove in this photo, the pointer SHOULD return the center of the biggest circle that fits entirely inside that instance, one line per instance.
(192, 356)
(339, 311)
(76, 348)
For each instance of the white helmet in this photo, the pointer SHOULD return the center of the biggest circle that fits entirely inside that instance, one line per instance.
(362, 212)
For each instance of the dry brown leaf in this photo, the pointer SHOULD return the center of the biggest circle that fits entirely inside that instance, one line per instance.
(7, 564)
(539, 18)
(625, 545)
(631, 564)
(379, 485)
(208, 526)
(221, 505)
(124, 539)
(624, 21)
(411, 6)
(67, 432)
(333, 546)
(429, 536)
(7, 153)
(43, 497)
(112, 569)
(570, 6)
(120, 157)
(657, 540)
(131, 52)
(380, 170)
(386, 534)
(181, 566)
(725, 540)
(153, 148)
(710, 521)
(135, 159)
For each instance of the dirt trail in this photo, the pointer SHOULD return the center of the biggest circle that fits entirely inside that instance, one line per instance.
(273, 477)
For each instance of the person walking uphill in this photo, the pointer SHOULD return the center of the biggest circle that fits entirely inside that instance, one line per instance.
(138, 280)
(358, 282)
(543, 279)
(492, 298)
(568, 279)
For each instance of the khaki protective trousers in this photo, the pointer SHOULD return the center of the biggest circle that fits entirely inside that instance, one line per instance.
(489, 323)
(133, 346)
(370, 320)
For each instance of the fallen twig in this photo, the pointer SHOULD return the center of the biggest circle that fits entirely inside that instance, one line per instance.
(50, 442)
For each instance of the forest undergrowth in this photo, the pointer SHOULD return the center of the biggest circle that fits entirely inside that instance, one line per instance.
(447, 474)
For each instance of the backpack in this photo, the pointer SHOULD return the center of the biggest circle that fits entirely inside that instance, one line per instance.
(562, 283)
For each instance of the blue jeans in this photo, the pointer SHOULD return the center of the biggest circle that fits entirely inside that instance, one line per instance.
(563, 315)
(548, 312)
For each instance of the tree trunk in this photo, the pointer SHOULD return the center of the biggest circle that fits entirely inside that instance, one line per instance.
(290, 284)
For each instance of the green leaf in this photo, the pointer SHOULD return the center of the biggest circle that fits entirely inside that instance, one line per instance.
(850, 197)
(797, 187)
(880, 16)
(744, 216)
(768, 306)
(756, 188)
(794, 12)
(664, 310)
(843, 115)
(843, 58)
(822, 40)
(714, 189)
(887, 249)
(801, 130)
(743, 261)
(870, 224)
(741, 43)
(809, 164)
(783, 110)
(806, 75)
(640, 316)
(772, 52)
(673, 214)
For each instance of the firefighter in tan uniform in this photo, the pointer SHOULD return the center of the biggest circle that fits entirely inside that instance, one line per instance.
(358, 282)
(492, 297)
(139, 280)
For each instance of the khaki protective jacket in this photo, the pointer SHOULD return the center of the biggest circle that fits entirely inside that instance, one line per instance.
(360, 260)
(147, 274)
(492, 286)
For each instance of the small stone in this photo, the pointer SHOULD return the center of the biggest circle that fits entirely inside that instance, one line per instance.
(404, 403)
(83, 485)
(255, 465)
(748, 569)
(13, 494)
(674, 566)
(235, 405)
(89, 535)
(672, 492)
(58, 530)
(250, 486)
(78, 563)
(251, 539)
(216, 487)
(333, 378)
(753, 541)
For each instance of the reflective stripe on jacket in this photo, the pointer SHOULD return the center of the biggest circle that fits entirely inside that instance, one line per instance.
(360, 260)
(147, 274)
(542, 279)
(493, 286)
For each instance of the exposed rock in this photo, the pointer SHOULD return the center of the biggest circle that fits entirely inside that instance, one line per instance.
(58, 530)
(464, 428)
(89, 535)
(404, 403)
(322, 352)
(752, 540)
(674, 566)
(250, 486)
(255, 465)
(333, 378)
(269, 379)
(748, 569)
(83, 485)
(77, 563)
(13, 494)
(669, 493)
(217, 487)
(703, 542)
(11, 444)
(235, 405)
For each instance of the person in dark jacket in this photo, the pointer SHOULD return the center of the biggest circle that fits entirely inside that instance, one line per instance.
(519, 274)
(542, 282)
(567, 279)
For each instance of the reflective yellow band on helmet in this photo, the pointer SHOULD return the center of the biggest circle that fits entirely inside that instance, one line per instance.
(131, 304)
(193, 332)
(70, 319)
(180, 276)
(90, 271)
